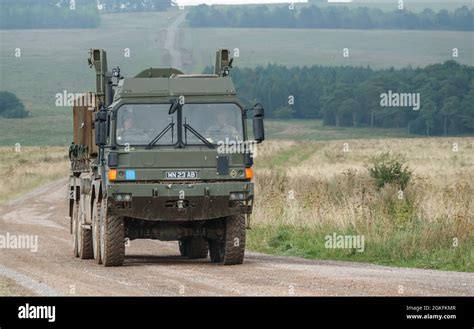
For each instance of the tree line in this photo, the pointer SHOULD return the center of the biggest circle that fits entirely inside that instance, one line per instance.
(357, 96)
(28, 14)
(118, 6)
(32, 14)
(331, 17)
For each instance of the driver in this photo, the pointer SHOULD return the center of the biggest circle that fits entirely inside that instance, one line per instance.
(222, 129)
(129, 133)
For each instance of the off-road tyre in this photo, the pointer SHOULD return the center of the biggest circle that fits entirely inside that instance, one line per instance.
(84, 241)
(231, 249)
(96, 213)
(75, 229)
(112, 240)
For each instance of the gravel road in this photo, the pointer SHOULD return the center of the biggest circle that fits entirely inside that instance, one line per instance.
(155, 267)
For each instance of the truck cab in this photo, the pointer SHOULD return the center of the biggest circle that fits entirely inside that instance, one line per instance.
(170, 158)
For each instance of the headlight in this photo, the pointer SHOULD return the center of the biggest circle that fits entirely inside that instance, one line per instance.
(237, 196)
(123, 197)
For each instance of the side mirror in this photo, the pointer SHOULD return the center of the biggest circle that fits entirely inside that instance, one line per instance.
(101, 128)
(258, 129)
(174, 106)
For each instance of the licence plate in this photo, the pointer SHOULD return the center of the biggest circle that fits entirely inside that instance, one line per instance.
(181, 174)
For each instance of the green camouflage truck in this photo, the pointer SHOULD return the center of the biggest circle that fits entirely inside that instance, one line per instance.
(162, 155)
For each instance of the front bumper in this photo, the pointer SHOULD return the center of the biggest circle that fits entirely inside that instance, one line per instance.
(176, 201)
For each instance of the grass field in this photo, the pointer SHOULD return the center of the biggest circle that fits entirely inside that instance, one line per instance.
(377, 48)
(24, 169)
(297, 47)
(55, 60)
(315, 130)
(309, 190)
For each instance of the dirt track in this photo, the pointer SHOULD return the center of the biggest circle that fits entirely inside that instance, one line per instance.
(155, 268)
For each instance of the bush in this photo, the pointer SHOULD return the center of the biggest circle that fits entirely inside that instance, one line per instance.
(387, 168)
(11, 106)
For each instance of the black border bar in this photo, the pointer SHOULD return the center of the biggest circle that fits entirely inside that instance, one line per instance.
(141, 311)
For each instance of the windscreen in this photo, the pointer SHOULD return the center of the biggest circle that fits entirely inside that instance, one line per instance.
(139, 124)
(217, 123)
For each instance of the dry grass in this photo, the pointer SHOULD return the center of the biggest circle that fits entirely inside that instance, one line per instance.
(319, 188)
(32, 166)
(9, 287)
(307, 190)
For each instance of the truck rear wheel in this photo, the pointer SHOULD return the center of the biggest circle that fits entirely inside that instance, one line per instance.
(84, 239)
(84, 242)
(194, 247)
(231, 249)
(112, 240)
(96, 213)
(75, 225)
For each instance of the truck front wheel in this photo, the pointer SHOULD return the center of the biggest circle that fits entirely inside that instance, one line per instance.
(112, 240)
(231, 249)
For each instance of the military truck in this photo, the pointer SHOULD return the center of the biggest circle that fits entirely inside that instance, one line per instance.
(147, 162)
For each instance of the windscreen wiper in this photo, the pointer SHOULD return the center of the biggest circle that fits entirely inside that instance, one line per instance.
(160, 134)
(198, 135)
